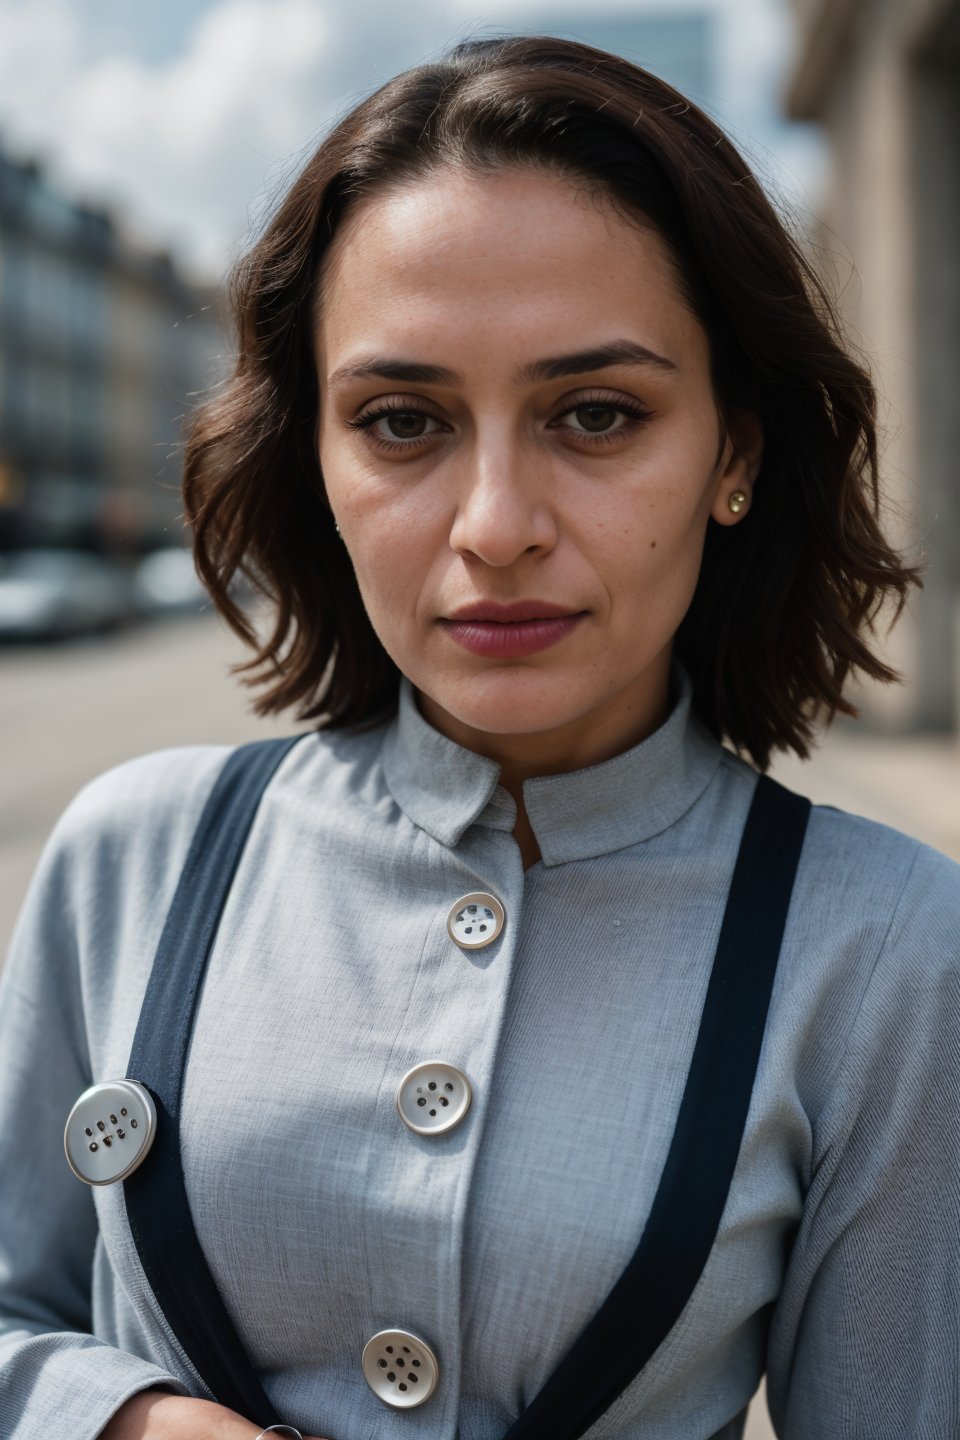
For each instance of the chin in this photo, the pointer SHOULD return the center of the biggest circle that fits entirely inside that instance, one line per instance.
(505, 701)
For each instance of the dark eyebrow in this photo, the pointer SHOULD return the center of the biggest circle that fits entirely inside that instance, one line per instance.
(617, 352)
(378, 367)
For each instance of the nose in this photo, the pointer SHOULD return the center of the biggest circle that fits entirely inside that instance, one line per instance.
(504, 508)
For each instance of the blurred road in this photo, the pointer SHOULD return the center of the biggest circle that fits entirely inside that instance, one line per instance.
(69, 712)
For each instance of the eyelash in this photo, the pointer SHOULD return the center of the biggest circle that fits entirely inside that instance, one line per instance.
(364, 423)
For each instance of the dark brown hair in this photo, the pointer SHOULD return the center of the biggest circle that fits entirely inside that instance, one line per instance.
(784, 599)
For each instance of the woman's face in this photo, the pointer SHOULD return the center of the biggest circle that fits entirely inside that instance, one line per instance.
(522, 449)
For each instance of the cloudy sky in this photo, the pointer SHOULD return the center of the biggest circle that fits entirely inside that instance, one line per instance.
(187, 116)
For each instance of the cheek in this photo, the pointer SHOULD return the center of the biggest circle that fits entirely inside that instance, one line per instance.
(649, 552)
(387, 576)
(391, 538)
(657, 522)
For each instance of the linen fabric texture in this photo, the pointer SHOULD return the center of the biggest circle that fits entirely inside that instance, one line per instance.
(324, 1219)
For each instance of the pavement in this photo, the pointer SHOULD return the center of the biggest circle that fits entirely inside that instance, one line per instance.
(911, 783)
(68, 712)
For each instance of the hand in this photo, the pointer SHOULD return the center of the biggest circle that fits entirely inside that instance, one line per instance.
(155, 1415)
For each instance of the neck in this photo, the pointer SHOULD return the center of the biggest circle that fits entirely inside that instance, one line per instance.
(615, 727)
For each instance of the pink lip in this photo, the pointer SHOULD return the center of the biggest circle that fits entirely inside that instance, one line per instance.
(508, 632)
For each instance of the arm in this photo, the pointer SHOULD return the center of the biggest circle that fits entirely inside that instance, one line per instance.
(60, 994)
(150, 1416)
(56, 1378)
(865, 1339)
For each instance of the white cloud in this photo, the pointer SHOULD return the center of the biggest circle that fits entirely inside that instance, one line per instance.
(190, 145)
(186, 143)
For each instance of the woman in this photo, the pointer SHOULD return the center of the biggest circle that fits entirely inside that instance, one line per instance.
(543, 445)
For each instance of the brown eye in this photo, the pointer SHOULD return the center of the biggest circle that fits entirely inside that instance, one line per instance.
(406, 424)
(596, 418)
(393, 427)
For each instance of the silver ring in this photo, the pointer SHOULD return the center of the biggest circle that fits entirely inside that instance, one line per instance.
(287, 1430)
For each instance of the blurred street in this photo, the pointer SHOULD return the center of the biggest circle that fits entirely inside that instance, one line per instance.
(114, 241)
(68, 712)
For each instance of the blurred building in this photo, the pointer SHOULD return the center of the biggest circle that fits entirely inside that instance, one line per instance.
(103, 348)
(679, 46)
(883, 79)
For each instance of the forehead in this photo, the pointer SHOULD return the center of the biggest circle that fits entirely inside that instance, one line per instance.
(497, 259)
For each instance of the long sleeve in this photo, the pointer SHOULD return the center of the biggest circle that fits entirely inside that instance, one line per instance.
(325, 1219)
(865, 1340)
(56, 1378)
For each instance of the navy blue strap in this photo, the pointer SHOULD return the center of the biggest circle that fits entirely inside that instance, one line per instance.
(649, 1296)
(156, 1197)
(656, 1285)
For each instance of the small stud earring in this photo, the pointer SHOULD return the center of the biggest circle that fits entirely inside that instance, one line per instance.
(737, 500)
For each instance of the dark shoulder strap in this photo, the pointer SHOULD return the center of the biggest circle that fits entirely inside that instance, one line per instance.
(156, 1198)
(648, 1298)
(653, 1290)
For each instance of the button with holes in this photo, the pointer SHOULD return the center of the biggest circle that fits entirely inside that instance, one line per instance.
(400, 1369)
(109, 1131)
(475, 920)
(433, 1097)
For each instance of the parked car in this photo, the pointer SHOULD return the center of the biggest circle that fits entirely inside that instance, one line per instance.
(45, 594)
(166, 583)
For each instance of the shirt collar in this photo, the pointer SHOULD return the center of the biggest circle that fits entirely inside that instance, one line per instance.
(445, 788)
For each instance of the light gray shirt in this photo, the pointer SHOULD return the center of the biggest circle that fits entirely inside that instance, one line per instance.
(324, 1219)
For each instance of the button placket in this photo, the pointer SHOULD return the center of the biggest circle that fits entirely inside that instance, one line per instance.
(432, 1098)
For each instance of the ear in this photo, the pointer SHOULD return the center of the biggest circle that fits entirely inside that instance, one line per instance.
(738, 466)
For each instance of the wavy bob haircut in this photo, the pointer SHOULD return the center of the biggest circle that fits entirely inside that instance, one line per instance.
(785, 600)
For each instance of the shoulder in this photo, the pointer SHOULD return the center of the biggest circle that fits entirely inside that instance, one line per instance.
(138, 817)
(896, 896)
(157, 795)
(897, 1052)
(88, 924)
(919, 960)
(122, 839)
(860, 869)
(160, 775)
(883, 875)
(161, 794)
(874, 954)
(873, 929)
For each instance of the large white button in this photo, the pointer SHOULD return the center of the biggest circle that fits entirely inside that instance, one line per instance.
(109, 1131)
(433, 1097)
(475, 920)
(400, 1369)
